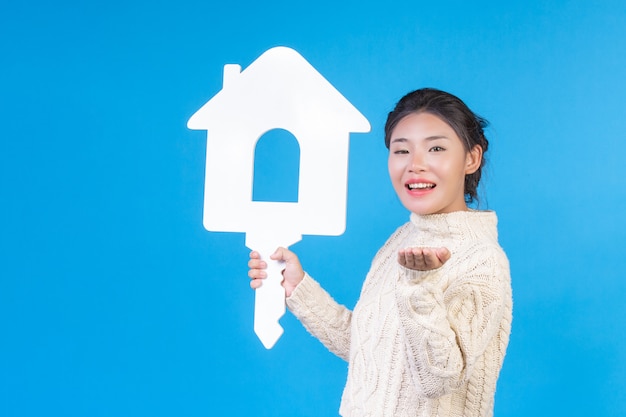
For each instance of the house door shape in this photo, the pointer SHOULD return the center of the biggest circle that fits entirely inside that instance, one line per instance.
(276, 167)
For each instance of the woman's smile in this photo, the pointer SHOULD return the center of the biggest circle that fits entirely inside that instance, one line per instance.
(428, 164)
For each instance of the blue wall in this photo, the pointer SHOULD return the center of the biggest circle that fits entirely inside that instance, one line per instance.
(114, 301)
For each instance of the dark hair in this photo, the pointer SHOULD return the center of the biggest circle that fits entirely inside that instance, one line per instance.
(468, 126)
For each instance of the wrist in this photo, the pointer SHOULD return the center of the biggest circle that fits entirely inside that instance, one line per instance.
(290, 286)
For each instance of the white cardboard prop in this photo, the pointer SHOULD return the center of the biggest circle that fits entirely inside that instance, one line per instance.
(278, 90)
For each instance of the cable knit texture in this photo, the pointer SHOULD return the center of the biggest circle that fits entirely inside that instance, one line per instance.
(421, 343)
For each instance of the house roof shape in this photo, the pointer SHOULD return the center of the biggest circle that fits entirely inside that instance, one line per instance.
(276, 89)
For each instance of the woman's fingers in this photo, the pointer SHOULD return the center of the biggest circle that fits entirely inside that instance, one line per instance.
(256, 270)
(423, 259)
(443, 254)
(256, 283)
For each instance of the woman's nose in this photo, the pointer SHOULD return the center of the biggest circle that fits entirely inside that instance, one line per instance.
(417, 163)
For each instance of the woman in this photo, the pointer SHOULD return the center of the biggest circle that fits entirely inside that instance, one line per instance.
(430, 330)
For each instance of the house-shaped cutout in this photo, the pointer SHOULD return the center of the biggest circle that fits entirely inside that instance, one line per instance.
(278, 90)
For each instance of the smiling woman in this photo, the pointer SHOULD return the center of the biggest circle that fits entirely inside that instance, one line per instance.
(433, 321)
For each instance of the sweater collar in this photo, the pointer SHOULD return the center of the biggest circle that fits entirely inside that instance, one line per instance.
(459, 225)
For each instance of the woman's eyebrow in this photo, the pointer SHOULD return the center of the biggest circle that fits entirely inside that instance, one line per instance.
(435, 137)
(429, 138)
(401, 140)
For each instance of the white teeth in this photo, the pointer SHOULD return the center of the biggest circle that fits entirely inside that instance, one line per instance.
(420, 185)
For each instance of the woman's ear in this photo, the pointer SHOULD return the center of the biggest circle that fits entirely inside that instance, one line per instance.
(473, 159)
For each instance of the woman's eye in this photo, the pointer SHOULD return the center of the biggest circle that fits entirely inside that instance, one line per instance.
(437, 149)
(400, 151)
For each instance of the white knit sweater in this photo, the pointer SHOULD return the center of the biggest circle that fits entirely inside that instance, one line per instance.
(421, 343)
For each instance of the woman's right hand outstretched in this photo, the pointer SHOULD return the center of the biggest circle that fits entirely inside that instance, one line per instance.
(292, 273)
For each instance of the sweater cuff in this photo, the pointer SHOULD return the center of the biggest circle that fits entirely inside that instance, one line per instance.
(412, 276)
(304, 294)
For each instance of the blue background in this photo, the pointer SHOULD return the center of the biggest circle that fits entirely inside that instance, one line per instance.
(114, 301)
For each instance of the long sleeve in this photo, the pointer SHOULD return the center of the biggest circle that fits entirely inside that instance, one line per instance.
(448, 328)
(322, 316)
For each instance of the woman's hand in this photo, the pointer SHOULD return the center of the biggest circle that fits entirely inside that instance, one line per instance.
(423, 259)
(292, 274)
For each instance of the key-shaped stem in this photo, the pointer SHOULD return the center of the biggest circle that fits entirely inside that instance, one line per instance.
(269, 303)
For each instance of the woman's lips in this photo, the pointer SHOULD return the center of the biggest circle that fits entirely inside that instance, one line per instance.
(419, 187)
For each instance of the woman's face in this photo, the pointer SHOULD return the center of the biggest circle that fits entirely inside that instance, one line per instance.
(428, 164)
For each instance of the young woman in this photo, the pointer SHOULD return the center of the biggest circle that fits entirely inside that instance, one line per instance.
(430, 330)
